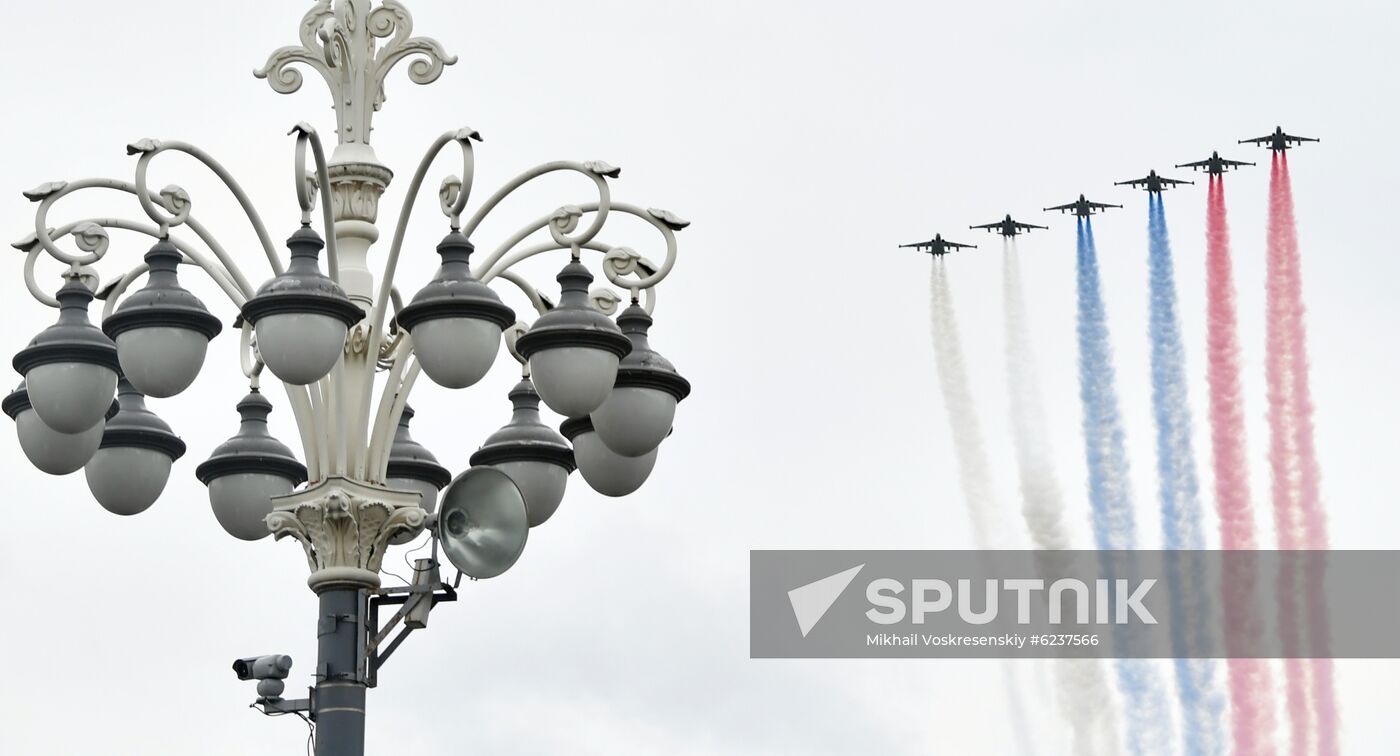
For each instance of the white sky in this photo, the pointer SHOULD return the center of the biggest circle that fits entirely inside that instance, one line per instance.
(804, 141)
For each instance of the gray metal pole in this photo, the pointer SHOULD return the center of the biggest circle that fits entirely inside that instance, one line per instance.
(340, 673)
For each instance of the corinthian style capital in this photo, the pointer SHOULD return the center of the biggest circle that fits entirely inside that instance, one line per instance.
(342, 42)
(345, 527)
(356, 188)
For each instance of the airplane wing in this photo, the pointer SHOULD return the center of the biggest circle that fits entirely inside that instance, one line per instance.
(1197, 164)
(1061, 208)
(1102, 205)
(1257, 140)
(1029, 226)
(1133, 182)
(960, 246)
(988, 225)
(1233, 163)
(917, 245)
(1291, 138)
(1174, 182)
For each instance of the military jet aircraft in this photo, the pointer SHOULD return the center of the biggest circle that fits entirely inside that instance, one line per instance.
(937, 246)
(1279, 141)
(1153, 183)
(1214, 165)
(1082, 207)
(1007, 227)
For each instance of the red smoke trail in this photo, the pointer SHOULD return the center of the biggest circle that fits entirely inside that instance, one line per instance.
(1314, 518)
(1251, 690)
(1298, 514)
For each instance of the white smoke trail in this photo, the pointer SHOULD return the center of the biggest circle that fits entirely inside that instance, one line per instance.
(1041, 502)
(971, 454)
(975, 478)
(1085, 696)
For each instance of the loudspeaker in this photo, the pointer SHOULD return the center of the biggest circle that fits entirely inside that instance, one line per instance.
(482, 523)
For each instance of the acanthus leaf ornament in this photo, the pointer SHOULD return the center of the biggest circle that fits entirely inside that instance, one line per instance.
(603, 169)
(142, 146)
(341, 44)
(672, 221)
(42, 191)
(345, 527)
(29, 241)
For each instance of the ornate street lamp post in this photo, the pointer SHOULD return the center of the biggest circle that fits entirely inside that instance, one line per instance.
(363, 484)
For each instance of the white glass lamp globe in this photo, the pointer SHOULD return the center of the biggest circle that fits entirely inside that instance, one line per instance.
(574, 349)
(456, 352)
(161, 361)
(52, 452)
(127, 480)
(242, 501)
(132, 465)
(70, 368)
(300, 347)
(71, 397)
(573, 381)
(541, 483)
(162, 331)
(245, 472)
(639, 410)
(533, 454)
(606, 471)
(301, 317)
(634, 420)
(455, 319)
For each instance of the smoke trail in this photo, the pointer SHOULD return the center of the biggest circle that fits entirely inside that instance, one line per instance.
(1109, 494)
(1042, 505)
(1251, 687)
(973, 469)
(1181, 510)
(1083, 691)
(1298, 512)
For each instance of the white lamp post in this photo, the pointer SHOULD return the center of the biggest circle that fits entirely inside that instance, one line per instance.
(324, 333)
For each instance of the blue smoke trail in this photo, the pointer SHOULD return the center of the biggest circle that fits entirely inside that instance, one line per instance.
(1109, 494)
(1202, 703)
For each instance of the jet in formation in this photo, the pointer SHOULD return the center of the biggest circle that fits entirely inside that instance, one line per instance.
(1007, 227)
(1082, 207)
(1153, 183)
(1279, 141)
(937, 246)
(1214, 165)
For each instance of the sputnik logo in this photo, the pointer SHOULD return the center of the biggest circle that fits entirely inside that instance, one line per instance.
(810, 602)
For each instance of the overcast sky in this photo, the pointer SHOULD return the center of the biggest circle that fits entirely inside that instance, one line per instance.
(804, 140)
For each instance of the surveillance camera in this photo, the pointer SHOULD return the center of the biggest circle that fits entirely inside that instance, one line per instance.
(273, 667)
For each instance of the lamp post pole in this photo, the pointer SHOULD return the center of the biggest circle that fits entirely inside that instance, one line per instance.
(362, 485)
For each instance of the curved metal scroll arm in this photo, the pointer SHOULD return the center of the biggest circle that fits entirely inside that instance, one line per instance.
(596, 170)
(307, 135)
(665, 222)
(149, 148)
(94, 242)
